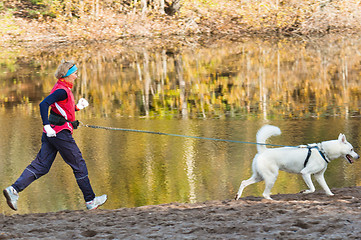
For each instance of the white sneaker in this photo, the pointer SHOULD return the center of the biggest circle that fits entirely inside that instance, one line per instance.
(12, 197)
(96, 202)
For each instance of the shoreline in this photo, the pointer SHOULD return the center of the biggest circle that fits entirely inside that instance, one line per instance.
(196, 20)
(296, 216)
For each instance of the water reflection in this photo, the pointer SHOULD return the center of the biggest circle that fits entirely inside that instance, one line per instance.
(285, 78)
(310, 89)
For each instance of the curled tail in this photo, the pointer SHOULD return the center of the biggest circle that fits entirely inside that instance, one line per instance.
(264, 133)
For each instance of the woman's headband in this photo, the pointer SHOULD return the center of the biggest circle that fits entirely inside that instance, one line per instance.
(71, 71)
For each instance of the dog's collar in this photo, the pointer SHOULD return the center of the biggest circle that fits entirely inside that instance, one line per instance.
(319, 149)
(322, 152)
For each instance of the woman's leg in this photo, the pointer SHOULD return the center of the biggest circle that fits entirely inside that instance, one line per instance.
(71, 154)
(38, 167)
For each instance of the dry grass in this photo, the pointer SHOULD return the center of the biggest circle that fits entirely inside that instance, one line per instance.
(206, 17)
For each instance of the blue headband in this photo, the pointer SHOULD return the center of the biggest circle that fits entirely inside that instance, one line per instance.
(71, 70)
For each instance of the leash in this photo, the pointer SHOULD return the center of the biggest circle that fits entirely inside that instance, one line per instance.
(214, 139)
(178, 135)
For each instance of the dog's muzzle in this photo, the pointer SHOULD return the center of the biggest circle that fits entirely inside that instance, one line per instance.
(350, 158)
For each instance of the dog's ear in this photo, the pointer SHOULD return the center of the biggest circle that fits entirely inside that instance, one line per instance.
(342, 138)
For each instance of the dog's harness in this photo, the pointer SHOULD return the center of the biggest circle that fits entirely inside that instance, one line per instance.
(319, 150)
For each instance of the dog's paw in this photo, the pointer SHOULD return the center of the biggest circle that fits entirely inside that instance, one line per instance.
(236, 197)
(306, 191)
(330, 194)
(268, 197)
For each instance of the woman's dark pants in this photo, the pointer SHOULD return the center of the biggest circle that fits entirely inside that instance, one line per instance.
(63, 143)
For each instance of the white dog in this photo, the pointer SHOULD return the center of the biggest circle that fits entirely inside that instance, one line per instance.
(304, 159)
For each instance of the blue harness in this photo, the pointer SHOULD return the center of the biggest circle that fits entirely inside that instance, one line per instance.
(309, 154)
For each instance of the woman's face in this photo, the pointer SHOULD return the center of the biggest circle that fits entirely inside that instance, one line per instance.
(71, 78)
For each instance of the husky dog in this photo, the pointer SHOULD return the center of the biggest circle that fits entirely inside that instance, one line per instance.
(304, 159)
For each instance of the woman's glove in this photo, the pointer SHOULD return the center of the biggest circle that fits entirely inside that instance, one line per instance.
(50, 132)
(83, 103)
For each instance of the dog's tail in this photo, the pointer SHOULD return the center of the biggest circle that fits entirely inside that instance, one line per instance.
(264, 133)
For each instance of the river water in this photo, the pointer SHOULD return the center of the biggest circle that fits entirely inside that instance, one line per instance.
(310, 88)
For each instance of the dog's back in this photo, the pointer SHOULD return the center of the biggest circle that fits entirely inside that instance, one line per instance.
(263, 134)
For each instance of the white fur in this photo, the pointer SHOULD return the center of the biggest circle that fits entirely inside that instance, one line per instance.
(268, 161)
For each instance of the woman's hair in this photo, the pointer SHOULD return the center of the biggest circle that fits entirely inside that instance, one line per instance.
(63, 68)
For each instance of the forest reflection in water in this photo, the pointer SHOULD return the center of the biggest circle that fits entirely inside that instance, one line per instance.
(284, 78)
(309, 88)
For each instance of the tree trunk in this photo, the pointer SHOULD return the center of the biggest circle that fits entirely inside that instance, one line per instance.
(147, 82)
(144, 6)
(172, 8)
(161, 6)
(68, 9)
(182, 85)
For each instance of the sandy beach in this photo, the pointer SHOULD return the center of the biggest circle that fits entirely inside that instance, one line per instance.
(289, 216)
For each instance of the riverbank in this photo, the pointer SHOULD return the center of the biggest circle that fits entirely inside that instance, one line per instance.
(25, 25)
(289, 216)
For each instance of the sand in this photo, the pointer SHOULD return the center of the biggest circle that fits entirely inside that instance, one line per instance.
(289, 216)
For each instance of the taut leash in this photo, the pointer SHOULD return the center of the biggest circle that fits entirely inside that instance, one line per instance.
(178, 135)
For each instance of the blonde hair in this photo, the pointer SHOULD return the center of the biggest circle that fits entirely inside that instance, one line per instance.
(63, 68)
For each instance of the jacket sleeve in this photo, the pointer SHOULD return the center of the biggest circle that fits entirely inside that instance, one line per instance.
(56, 96)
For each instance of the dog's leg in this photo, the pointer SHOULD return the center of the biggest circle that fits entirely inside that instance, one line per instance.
(269, 182)
(321, 180)
(245, 183)
(269, 173)
(308, 181)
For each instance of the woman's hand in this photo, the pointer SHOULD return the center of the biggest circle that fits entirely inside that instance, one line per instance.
(83, 103)
(50, 132)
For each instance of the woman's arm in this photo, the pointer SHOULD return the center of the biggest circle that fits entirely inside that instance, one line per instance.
(58, 95)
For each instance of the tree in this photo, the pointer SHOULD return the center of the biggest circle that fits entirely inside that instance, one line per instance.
(172, 8)
(163, 6)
